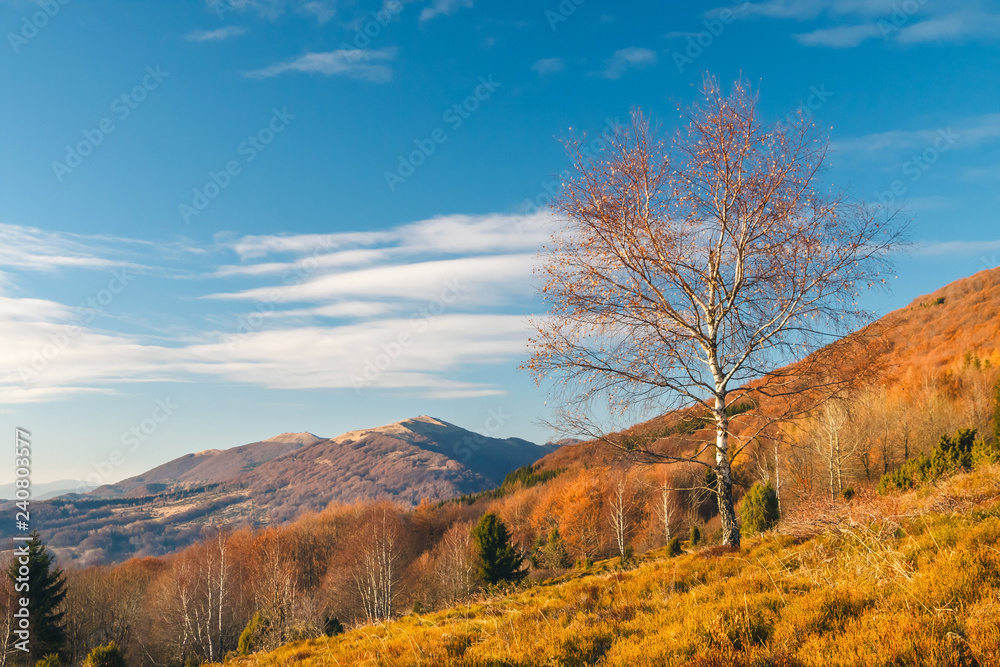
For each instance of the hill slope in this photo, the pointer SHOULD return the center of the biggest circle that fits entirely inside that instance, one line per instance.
(934, 335)
(899, 581)
(273, 481)
(210, 466)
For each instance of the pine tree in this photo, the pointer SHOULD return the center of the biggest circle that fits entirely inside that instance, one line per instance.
(499, 561)
(46, 590)
(759, 509)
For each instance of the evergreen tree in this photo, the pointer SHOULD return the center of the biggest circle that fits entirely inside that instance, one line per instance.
(46, 588)
(499, 561)
(759, 509)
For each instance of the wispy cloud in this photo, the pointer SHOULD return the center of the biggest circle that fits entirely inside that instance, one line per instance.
(37, 250)
(321, 11)
(444, 8)
(547, 66)
(625, 59)
(306, 311)
(217, 35)
(913, 23)
(841, 37)
(363, 64)
(953, 248)
(954, 27)
(963, 133)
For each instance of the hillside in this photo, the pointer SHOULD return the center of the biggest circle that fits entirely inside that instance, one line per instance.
(210, 466)
(899, 581)
(273, 481)
(928, 340)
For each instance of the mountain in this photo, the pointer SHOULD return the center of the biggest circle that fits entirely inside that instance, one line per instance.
(211, 466)
(44, 490)
(273, 481)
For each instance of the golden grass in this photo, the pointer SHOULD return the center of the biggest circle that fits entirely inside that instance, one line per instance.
(918, 584)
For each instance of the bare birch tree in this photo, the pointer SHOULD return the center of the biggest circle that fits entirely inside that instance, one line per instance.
(665, 506)
(620, 508)
(377, 570)
(456, 563)
(688, 269)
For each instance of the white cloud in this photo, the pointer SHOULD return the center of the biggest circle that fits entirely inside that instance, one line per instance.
(964, 133)
(364, 64)
(953, 27)
(803, 10)
(444, 7)
(321, 11)
(841, 37)
(912, 23)
(625, 59)
(945, 248)
(37, 250)
(454, 287)
(217, 35)
(547, 66)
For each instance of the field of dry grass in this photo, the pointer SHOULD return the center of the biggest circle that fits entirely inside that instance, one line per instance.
(906, 580)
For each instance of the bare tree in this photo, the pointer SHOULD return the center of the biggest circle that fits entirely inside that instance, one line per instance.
(455, 562)
(377, 570)
(665, 506)
(620, 508)
(690, 270)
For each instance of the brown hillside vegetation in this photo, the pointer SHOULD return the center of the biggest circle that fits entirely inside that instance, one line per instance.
(901, 581)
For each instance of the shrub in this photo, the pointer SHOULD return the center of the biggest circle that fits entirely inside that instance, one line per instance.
(674, 547)
(985, 453)
(848, 494)
(950, 455)
(251, 638)
(759, 509)
(695, 536)
(108, 655)
(332, 627)
(50, 660)
(628, 555)
(585, 563)
(550, 554)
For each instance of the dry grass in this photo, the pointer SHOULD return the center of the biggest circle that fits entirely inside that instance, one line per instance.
(913, 580)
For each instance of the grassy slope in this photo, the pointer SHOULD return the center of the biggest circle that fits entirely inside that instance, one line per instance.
(911, 580)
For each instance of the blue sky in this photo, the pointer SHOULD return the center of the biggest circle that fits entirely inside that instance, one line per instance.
(224, 220)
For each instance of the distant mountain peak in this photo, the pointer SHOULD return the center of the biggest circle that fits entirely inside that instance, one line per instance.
(304, 438)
